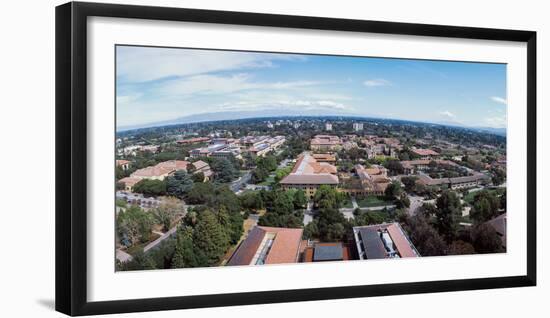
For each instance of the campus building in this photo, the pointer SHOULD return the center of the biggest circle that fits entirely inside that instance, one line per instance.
(387, 240)
(326, 252)
(425, 153)
(163, 170)
(268, 245)
(123, 164)
(308, 175)
(456, 183)
(325, 143)
(373, 180)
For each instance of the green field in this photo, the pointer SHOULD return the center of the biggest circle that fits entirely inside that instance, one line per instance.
(372, 200)
(347, 203)
(469, 198)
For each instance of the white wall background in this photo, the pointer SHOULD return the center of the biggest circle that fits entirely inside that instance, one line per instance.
(27, 157)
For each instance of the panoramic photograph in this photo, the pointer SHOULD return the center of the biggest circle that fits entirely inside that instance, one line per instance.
(237, 158)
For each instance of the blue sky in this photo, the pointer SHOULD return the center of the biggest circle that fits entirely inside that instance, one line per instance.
(157, 84)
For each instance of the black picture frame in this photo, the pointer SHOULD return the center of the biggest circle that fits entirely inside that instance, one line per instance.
(71, 157)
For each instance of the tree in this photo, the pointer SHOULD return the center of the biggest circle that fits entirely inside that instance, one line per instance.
(311, 230)
(394, 166)
(403, 201)
(280, 210)
(251, 201)
(179, 184)
(424, 237)
(300, 199)
(370, 218)
(198, 177)
(461, 248)
(167, 212)
(200, 193)
(393, 190)
(134, 225)
(184, 254)
(210, 238)
(421, 189)
(331, 224)
(140, 261)
(485, 206)
(150, 187)
(224, 170)
(281, 173)
(499, 176)
(259, 175)
(447, 215)
(486, 240)
(410, 183)
(327, 197)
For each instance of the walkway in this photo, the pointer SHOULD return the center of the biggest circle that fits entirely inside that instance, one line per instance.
(156, 242)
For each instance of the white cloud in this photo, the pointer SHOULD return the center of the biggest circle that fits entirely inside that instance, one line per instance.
(376, 82)
(284, 104)
(214, 84)
(140, 64)
(499, 100)
(127, 99)
(496, 121)
(447, 114)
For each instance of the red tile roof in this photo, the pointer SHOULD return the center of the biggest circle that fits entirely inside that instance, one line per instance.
(285, 247)
(425, 152)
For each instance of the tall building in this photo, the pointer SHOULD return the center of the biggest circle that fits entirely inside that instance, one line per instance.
(357, 126)
(328, 126)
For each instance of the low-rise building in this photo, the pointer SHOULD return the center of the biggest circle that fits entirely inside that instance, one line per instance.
(193, 140)
(325, 157)
(123, 164)
(266, 145)
(326, 252)
(268, 245)
(455, 183)
(204, 168)
(156, 172)
(129, 183)
(325, 143)
(425, 153)
(374, 180)
(214, 149)
(308, 175)
(414, 166)
(387, 240)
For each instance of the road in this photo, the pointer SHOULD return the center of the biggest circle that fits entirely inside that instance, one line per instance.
(416, 202)
(308, 213)
(136, 198)
(239, 183)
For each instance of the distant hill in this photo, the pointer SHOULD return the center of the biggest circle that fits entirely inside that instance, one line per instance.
(231, 115)
(276, 112)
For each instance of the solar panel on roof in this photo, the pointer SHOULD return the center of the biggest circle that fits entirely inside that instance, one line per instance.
(374, 248)
(328, 253)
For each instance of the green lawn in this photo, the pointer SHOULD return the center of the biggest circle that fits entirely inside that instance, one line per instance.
(347, 203)
(469, 198)
(372, 200)
(268, 181)
(465, 219)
